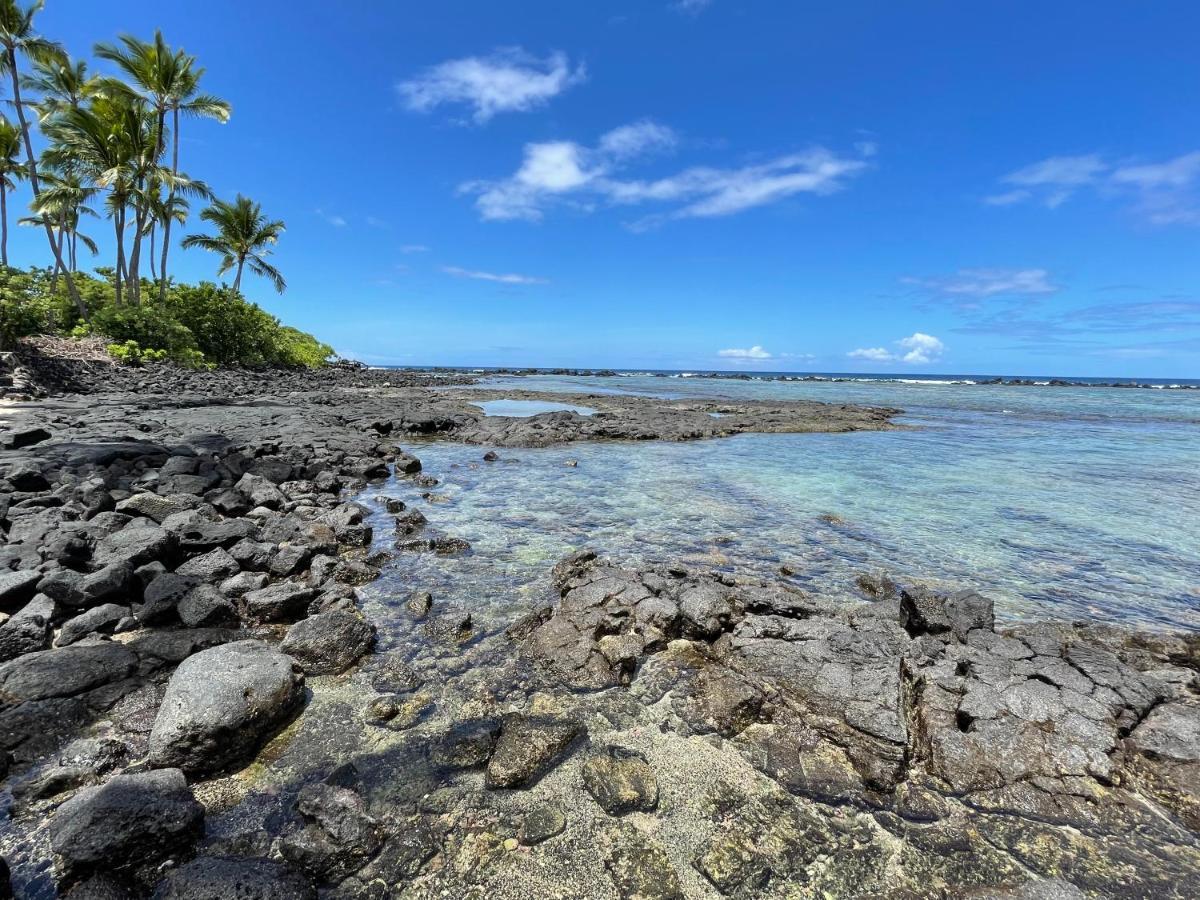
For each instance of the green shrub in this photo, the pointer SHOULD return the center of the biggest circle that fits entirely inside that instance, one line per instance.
(130, 354)
(196, 325)
(148, 326)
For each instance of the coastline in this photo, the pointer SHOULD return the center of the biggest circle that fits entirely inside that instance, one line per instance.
(692, 763)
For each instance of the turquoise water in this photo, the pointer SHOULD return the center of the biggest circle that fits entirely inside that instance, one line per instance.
(1071, 503)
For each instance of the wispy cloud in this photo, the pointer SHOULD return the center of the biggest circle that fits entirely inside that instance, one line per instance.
(1161, 193)
(458, 272)
(332, 218)
(508, 80)
(691, 7)
(557, 172)
(413, 248)
(916, 349)
(755, 352)
(970, 289)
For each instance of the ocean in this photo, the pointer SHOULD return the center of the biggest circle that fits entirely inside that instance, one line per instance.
(1063, 502)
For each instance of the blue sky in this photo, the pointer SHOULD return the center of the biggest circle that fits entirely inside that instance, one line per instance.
(862, 186)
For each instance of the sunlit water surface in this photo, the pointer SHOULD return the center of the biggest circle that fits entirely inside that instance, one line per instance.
(1072, 503)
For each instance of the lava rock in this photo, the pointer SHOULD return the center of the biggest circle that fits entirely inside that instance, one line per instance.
(131, 821)
(221, 704)
(229, 878)
(329, 643)
(528, 746)
(621, 781)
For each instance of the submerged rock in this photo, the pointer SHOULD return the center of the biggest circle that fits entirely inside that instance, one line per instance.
(528, 745)
(221, 704)
(621, 781)
(329, 643)
(230, 878)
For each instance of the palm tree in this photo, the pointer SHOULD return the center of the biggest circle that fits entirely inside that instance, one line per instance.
(163, 211)
(17, 34)
(110, 143)
(12, 170)
(244, 236)
(60, 81)
(64, 199)
(170, 82)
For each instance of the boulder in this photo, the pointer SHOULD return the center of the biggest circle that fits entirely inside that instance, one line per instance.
(115, 582)
(135, 544)
(261, 492)
(329, 643)
(278, 602)
(131, 821)
(150, 506)
(221, 704)
(162, 597)
(64, 672)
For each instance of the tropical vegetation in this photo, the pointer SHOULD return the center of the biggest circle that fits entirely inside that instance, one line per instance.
(92, 146)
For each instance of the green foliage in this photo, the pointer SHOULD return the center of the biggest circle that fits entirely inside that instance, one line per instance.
(131, 354)
(197, 326)
(148, 326)
(27, 306)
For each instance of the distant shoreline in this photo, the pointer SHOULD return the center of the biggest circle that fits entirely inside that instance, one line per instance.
(1174, 384)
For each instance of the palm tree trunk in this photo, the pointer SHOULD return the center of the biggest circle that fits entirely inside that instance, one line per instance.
(33, 178)
(4, 225)
(120, 228)
(135, 258)
(58, 265)
(153, 273)
(237, 281)
(162, 287)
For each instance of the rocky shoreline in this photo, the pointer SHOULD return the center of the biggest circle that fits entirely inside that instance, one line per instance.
(192, 703)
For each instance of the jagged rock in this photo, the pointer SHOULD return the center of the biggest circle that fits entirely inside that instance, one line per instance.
(528, 745)
(468, 745)
(213, 566)
(278, 602)
(162, 597)
(1164, 755)
(151, 506)
(340, 836)
(204, 606)
(115, 582)
(329, 643)
(924, 611)
(131, 821)
(99, 619)
(621, 781)
(135, 545)
(17, 587)
(28, 630)
(261, 492)
(221, 704)
(64, 672)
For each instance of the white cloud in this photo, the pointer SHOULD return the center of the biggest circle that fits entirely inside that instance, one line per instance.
(639, 138)
(413, 248)
(1162, 193)
(492, 276)
(877, 354)
(691, 7)
(980, 284)
(916, 349)
(559, 171)
(755, 352)
(509, 80)
(922, 348)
